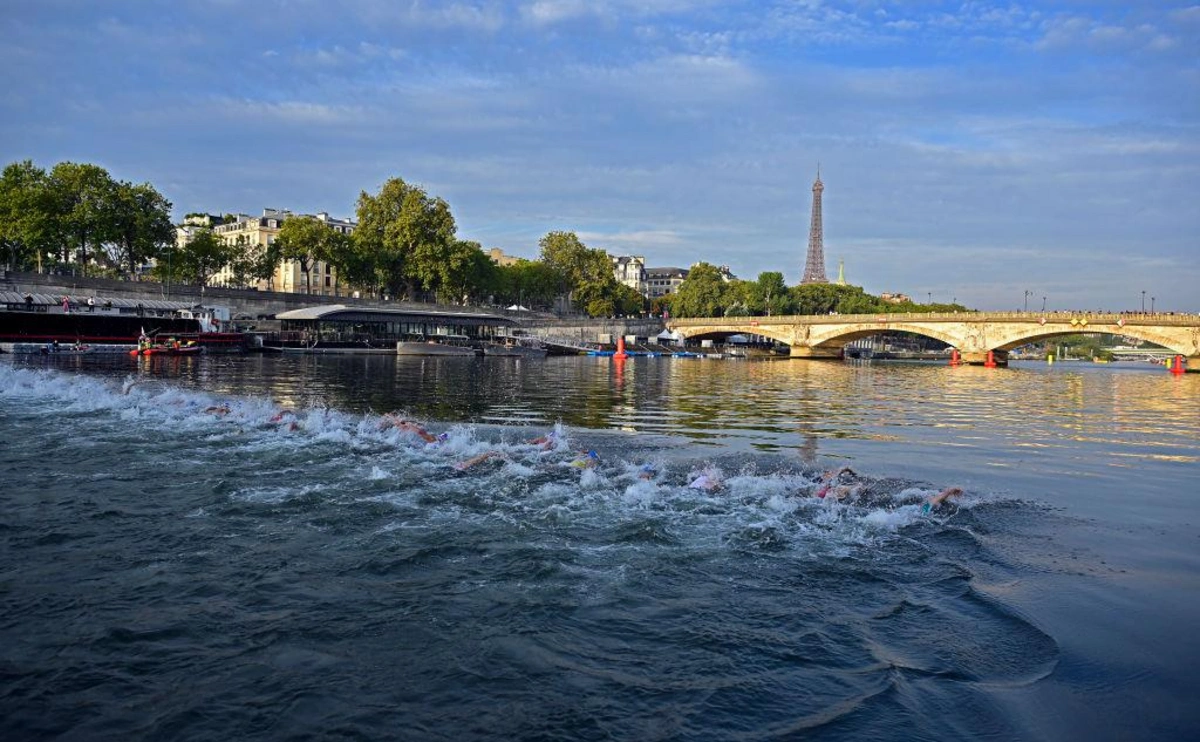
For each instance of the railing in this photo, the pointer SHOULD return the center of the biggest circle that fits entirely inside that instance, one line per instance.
(1139, 318)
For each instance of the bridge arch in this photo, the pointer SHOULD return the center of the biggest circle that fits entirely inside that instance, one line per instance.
(780, 334)
(1018, 337)
(838, 338)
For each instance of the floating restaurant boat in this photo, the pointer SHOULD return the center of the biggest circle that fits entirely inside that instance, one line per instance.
(338, 328)
(444, 345)
(29, 322)
(515, 346)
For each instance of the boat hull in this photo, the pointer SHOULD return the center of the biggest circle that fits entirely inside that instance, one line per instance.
(432, 348)
(513, 351)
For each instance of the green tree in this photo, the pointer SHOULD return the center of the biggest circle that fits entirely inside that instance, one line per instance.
(243, 262)
(527, 283)
(769, 294)
(141, 223)
(306, 240)
(83, 198)
(403, 232)
(203, 256)
(700, 294)
(27, 228)
(265, 260)
(566, 255)
(628, 301)
(465, 272)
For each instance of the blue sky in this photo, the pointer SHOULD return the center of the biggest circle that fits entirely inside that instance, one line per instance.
(969, 150)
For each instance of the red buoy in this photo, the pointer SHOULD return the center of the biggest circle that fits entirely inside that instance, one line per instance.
(991, 360)
(620, 355)
(955, 359)
(1177, 366)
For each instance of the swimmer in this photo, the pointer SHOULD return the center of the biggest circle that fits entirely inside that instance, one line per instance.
(833, 474)
(836, 492)
(937, 500)
(589, 460)
(218, 409)
(285, 418)
(128, 386)
(464, 465)
(706, 482)
(647, 472)
(838, 484)
(545, 442)
(391, 420)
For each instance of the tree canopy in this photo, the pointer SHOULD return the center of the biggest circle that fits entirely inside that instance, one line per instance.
(403, 234)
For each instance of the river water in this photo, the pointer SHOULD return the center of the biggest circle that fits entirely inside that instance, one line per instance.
(180, 561)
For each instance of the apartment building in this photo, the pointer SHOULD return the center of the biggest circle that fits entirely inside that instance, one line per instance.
(631, 271)
(257, 232)
(663, 281)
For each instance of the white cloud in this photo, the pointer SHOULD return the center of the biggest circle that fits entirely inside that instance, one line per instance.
(285, 112)
(634, 240)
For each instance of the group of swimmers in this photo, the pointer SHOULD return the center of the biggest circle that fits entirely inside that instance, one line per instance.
(838, 484)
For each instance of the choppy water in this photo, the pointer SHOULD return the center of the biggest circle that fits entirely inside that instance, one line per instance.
(171, 570)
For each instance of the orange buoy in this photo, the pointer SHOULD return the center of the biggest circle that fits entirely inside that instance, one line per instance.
(620, 355)
(991, 360)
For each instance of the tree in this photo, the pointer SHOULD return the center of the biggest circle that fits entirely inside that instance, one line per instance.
(141, 223)
(27, 229)
(628, 301)
(403, 232)
(700, 294)
(769, 294)
(243, 262)
(567, 256)
(464, 271)
(203, 255)
(265, 262)
(526, 282)
(83, 197)
(306, 240)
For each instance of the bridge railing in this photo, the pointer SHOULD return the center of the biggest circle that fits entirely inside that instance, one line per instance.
(1092, 317)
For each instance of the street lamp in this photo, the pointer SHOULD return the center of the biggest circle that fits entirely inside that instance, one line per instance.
(1043, 303)
(1151, 305)
(929, 296)
(1028, 294)
(169, 253)
(1143, 301)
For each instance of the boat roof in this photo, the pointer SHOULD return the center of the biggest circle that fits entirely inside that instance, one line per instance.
(343, 313)
(18, 297)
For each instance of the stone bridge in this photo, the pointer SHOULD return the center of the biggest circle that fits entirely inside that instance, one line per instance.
(974, 334)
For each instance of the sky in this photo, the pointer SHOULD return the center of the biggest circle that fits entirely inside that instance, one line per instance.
(1001, 154)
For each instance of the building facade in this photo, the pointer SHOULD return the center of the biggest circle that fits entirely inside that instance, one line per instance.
(256, 233)
(499, 258)
(631, 271)
(664, 281)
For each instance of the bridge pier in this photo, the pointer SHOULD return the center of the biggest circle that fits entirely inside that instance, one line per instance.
(815, 354)
(1192, 364)
(1000, 357)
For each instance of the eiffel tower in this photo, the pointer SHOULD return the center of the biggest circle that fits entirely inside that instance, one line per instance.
(814, 267)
